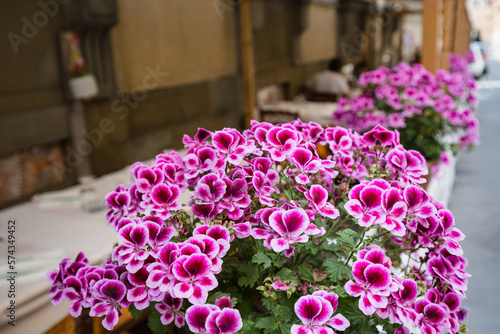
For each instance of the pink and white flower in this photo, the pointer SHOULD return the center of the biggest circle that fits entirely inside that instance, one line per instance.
(339, 140)
(306, 163)
(164, 200)
(194, 278)
(131, 251)
(281, 141)
(196, 317)
(169, 309)
(365, 204)
(231, 144)
(318, 200)
(316, 313)
(225, 321)
(373, 282)
(108, 299)
(291, 226)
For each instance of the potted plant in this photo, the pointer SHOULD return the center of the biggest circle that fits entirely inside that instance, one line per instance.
(82, 83)
(276, 239)
(434, 113)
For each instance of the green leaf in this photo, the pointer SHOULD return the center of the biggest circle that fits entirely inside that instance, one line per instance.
(347, 236)
(248, 281)
(339, 290)
(335, 248)
(249, 326)
(311, 247)
(359, 321)
(262, 259)
(285, 313)
(134, 312)
(303, 203)
(305, 273)
(154, 323)
(266, 323)
(320, 223)
(336, 270)
(285, 328)
(288, 275)
(250, 274)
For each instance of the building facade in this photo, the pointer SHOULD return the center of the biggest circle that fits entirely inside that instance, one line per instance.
(165, 68)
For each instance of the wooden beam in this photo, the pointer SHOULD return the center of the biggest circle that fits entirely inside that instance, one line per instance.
(459, 27)
(433, 34)
(247, 59)
(448, 31)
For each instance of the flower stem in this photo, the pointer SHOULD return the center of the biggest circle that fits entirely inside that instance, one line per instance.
(332, 229)
(355, 248)
(275, 264)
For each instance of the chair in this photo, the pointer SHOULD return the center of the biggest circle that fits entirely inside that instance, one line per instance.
(320, 97)
(278, 116)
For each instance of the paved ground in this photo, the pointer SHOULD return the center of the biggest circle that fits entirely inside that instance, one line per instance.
(475, 202)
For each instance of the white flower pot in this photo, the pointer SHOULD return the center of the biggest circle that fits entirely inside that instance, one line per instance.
(83, 87)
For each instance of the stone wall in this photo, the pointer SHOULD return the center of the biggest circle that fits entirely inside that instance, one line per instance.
(146, 127)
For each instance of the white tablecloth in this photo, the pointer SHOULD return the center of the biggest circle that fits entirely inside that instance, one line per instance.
(49, 228)
(45, 234)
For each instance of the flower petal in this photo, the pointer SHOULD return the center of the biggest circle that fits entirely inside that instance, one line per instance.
(339, 322)
(377, 276)
(308, 308)
(196, 317)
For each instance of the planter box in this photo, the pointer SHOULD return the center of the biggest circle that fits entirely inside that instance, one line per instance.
(440, 186)
(83, 87)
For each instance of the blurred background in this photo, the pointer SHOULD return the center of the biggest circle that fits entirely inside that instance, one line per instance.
(88, 87)
(159, 69)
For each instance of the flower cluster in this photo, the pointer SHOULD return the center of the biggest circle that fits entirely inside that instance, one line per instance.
(316, 313)
(459, 64)
(425, 107)
(276, 238)
(214, 319)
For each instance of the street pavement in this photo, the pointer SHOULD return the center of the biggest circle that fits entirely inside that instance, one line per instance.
(475, 203)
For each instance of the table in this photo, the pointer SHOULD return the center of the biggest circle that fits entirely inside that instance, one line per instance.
(45, 234)
(49, 228)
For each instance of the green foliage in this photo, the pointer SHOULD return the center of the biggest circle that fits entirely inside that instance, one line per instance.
(305, 273)
(262, 259)
(285, 328)
(288, 275)
(422, 133)
(311, 248)
(360, 323)
(154, 323)
(134, 312)
(250, 274)
(348, 236)
(284, 313)
(249, 327)
(337, 270)
(267, 324)
(279, 318)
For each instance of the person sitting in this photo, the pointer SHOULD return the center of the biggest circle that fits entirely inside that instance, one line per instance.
(329, 85)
